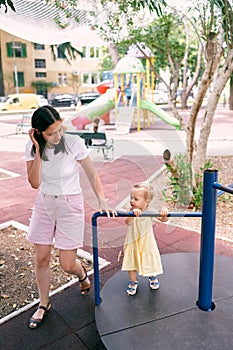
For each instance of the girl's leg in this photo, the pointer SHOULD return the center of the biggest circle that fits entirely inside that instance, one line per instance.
(42, 270)
(133, 283)
(132, 275)
(70, 264)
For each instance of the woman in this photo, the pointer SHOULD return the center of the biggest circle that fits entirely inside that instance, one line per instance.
(58, 215)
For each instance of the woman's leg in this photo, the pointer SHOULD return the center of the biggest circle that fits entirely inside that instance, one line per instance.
(42, 270)
(70, 264)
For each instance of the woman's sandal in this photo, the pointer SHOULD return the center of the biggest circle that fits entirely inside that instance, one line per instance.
(154, 282)
(36, 322)
(132, 288)
(85, 290)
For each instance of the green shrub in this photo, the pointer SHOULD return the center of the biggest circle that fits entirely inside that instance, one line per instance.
(179, 188)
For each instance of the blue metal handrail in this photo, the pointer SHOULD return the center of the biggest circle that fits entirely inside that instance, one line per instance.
(208, 215)
(121, 214)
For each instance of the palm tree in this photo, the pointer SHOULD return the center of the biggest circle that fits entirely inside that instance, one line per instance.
(66, 50)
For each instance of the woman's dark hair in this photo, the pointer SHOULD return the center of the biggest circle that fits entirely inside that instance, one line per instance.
(42, 118)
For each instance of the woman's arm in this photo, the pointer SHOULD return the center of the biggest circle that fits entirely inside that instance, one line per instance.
(34, 172)
(34, 166)
(96, 184)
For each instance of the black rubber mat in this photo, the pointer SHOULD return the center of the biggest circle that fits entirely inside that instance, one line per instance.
(168, 318)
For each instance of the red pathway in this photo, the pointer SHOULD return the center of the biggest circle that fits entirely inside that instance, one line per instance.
(17, 199)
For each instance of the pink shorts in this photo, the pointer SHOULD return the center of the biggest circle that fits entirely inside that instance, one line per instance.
(58, 219)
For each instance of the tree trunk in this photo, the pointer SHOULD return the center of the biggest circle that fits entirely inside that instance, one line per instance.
(207, 120)
(213, 57)
(2, 93)
(114, 53)
(231, 93)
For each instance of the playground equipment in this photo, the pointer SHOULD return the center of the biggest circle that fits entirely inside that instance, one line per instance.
(128, 71)
(141, 321)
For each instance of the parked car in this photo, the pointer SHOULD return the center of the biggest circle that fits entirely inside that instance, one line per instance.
(87, 97)
(64, 100)
(19, 101)
(177, 97)
(42, 101)
(158, 96)
(3, 98)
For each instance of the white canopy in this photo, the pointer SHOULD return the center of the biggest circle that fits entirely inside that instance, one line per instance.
(36, 21)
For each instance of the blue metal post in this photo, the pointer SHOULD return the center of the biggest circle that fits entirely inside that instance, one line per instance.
(96, 259)
(207, 241)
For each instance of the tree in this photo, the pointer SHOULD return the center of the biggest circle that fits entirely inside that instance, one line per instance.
(213, 23)
(6, 3)
(217, 31)
(75, 82)
(231, 93)
(123, 21)
(66, 51)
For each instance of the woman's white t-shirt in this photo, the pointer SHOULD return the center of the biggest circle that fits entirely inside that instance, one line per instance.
(60, 174)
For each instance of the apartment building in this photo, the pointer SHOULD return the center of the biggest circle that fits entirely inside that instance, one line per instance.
(30, 67)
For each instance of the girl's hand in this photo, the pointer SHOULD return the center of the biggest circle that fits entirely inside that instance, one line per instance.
(103, 203)
(163, 214)
(137, 211)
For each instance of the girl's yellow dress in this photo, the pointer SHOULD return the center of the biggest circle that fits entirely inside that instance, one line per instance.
(141, 252)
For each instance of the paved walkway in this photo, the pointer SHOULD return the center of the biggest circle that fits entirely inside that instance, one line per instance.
(71, 323)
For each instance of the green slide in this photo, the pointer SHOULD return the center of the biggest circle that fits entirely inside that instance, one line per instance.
(159, 112)
(99, 106)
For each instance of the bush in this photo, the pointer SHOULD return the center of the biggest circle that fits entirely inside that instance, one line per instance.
(180, 189)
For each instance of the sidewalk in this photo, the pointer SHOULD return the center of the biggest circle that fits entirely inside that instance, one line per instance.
(71, 323)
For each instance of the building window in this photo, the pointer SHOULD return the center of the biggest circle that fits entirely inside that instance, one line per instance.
(59, 79)
(97, 52)
(20, 78)
(90, 78)
(94, 78)
(41, 75)
(39, 46)
(62, 79)
(40, 63)
(91, 52)
(85, 78)
(16, 49)
(84, 51)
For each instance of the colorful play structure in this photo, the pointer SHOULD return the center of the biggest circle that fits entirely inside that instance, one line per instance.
(128, 71)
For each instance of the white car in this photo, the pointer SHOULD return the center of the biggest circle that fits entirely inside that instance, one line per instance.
(158, 96)
(42, 101)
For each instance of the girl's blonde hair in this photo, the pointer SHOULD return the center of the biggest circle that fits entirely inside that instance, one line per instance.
(148, 189)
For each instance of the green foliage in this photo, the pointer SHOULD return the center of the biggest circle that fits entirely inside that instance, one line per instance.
(227, 19)
(198, 190)
(41, 84)
(179, 188)
(7, 3)
(106, 62)
(137, 5)
(66, 50)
